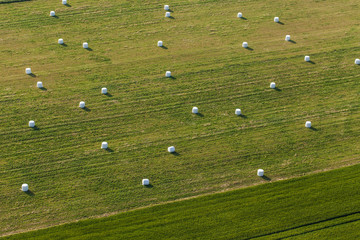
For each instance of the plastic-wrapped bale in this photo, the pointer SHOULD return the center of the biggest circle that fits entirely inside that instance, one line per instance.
(307, 58)
(167, 14)
(145, 182)
(28, 70)
(25, 187)
(357, 61)
(31, 123)
(168, 74)
(260, 172)
(239, 15)
(272, 85)
(85, 45)
(52, 14)
(166, 7)
(287, 38)
(104, 90)
(104, 145)
(39, 84)
(308, 124)
(238, 111)
(61, 41)
(276, 19)
(160, 43)
(171, 149)
(195, 110)
(64, 2)
(244, 44)
(82, 104)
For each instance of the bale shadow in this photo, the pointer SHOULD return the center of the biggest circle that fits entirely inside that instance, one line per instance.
(36, 128)
(30, 193)
(86, 109)
(199, 114)
(243, 116)
(175, 153)
(14, 1)
(292, 41)
(108, 94)
(171, 17)
(243, 18)
(314, 129)
(277, 89)
(32, 75)
(266, 178)
(55, 16)
(149, 186)
(89, 49)
(43, 88)
(170, 10)
(281, 23)
(172, 77)
(311, 62)
(67, 5)
(109, 149)
(249, 48)
(64, 45)
(164, 47)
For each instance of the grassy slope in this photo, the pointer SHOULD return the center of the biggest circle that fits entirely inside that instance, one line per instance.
(319, 206)
(72, 178)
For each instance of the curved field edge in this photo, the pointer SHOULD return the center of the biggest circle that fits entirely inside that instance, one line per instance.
(307, 206)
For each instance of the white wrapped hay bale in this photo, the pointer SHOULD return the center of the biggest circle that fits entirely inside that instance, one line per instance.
(104, 145)
(28, 71)
(171, 149)
(357, 61)
(260, 172)
(308, 124)
(25, 187)
(307, 58)
(85, 45)
(168, 74)
(160, 43)
(238, 111)
(244, 44)
(64, 2)
(239, 15)
(166, 7)
(167, 14)
(31, 123)
(82, 104)
(104, 90)
(272, 85)
(287, 38)
(145, 182)
(52, 13)
(195, 110)
(61, 41)
(276, 19)
(39, 84)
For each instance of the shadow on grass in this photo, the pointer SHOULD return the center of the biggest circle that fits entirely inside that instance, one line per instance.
(64, 45)
(249, 48)
(164, 47)
(14, 1)
(36, 128)
(109, 150)
(172, 77)
(314, 129)
(281, 23)
(292, 41)
(171, 17)
(67, 5)
(32, 75)
(149, 186)
(175, 153)
(277, 89)
(199, 114)
(30, 193)
(44, 89)
(55, 16)
(266, 178)
(243, 18)
(89, 49)
(108, 94)
(311, 62)
(243, 116)
(86, 109)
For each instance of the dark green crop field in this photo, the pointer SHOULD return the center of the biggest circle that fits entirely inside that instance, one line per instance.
(320, 206)
(71, 178)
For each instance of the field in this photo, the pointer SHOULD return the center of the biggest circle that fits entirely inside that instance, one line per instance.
(71, 178)
(311, 207)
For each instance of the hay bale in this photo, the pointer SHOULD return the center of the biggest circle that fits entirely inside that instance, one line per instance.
(167, 14)
(104, 145)
(307, 58)
(244, 44)
(32, 124)
(61, 41)
(28, 71)
(145, 182)
(168, 74)
(25, 187)
(171, 149)
(357, 61)
(160, 43)
(308, 124)
(39, 84)
(238, 111)
(64, 2)
(85, 45)
(166, 7)
(260, 172)
(104, 90)
(52, 13)
(272, 85)
(287, 38)
(239, 15)
(82, 104)
(195, 110)
(276, 19)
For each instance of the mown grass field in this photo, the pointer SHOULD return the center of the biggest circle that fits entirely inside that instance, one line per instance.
(71, 178)
(320, 206)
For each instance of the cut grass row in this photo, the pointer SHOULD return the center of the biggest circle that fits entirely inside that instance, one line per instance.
(320, 206)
